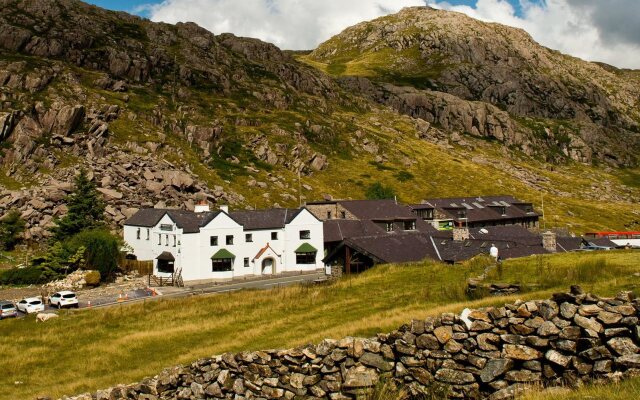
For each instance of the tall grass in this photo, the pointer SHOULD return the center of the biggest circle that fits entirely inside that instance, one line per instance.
(103, 347)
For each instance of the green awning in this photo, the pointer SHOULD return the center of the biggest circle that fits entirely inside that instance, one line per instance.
(306, 248)
(222, 254)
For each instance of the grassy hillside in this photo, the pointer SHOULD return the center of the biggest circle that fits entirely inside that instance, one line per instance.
(104, 347)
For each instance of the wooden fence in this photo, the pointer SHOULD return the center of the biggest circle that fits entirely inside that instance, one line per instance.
(141, 267)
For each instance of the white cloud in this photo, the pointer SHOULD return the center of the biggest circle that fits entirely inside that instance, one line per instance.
(565, 25)
(289, 24)
(582, 28)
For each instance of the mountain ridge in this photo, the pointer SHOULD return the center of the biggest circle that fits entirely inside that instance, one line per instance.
(160, 113)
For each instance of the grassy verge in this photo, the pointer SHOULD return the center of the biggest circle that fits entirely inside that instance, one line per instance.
(123, 344)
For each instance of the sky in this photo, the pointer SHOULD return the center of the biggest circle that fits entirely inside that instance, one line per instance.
(595, 30)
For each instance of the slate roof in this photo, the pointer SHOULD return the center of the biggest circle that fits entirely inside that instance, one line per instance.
(481, 208)
(336, 230)
(188, 221)
(455, 251)
(377, 209)
(273, 218)
(394, 248)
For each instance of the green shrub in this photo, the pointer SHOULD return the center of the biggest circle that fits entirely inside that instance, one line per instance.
(92, 278)
(11, 228)
(378, 191)
(23, 276)
(102, 251)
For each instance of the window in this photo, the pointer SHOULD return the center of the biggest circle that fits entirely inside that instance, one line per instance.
(409, 225)
(462, 214)
(213, 240)
(246, 262)
(174, 241)
(274, 235)
(425, 213)
(166, 240)
(328, 214)
(148, 233)
(159, 239)
(389, 226)
(229, 239)
(343, 214)
(221, 265)
(138, 234)
(166, 227)
(248, 237)
(305, 234)
(306, 258)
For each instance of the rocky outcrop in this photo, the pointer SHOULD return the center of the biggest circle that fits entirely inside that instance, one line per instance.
(491, 353)
(474, 61)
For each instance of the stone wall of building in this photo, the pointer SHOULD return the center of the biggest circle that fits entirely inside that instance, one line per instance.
(489, 353)
(321, 211)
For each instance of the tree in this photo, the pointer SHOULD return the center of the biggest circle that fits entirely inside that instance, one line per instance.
(86, 210)
(101, 251)
(377, 191)
(11, 228)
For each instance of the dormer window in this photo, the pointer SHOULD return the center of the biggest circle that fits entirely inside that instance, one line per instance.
(389, 226)
(462, 214)
(409, 225)
(503, 210)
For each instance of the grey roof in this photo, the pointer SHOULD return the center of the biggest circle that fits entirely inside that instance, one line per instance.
(339, 229)
(394, 248)
(479, 209)
(377, 209)
(188, 221)
(273, 218)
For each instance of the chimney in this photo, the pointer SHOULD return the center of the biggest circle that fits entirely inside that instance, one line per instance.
(201, 207)
(549, 241)
(224, 208)
(460, 232)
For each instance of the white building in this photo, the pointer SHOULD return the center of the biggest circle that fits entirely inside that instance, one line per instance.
(216, 245)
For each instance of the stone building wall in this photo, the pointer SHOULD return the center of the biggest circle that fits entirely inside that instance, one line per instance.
(486, 353)
(321, 211)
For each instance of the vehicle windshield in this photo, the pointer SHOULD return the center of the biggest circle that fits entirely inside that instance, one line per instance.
(69, 296)
(35, 302)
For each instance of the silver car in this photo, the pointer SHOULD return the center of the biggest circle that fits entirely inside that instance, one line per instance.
(7, 309)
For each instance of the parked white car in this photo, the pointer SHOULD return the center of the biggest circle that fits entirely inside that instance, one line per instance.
(30, 305)
(64, 298)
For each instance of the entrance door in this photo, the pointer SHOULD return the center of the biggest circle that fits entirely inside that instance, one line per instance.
(268, 266)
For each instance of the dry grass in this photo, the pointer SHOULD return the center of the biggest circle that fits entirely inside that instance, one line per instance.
(84, 351)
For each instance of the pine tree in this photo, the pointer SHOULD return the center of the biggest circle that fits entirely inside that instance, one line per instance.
(86, 210)
(11, 227)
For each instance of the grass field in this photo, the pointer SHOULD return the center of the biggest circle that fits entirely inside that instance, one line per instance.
(88, 350)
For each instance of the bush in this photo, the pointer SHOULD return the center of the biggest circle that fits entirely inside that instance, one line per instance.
(102, 251)
(23, 276)
(377, 191)
(92, 278)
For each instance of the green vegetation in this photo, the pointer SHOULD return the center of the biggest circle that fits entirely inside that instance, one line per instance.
(86, 210)
(625, 390)
(22, 276)
(379, 191)
(102, 251)
(11, 229)
(103, 347)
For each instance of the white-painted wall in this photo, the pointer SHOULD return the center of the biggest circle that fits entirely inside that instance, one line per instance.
(193, 251)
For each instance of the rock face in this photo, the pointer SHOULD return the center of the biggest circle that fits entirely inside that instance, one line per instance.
(420, 355)
(440, 52)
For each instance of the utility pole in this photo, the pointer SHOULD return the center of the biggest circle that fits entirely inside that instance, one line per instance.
(299, 189)
(544, 218)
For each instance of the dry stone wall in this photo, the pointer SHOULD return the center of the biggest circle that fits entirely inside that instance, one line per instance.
(489, 353)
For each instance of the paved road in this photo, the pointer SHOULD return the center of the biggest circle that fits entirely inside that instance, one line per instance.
(195, 290)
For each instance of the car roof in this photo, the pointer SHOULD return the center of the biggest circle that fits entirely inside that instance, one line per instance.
(32, 298)
(66, 292)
